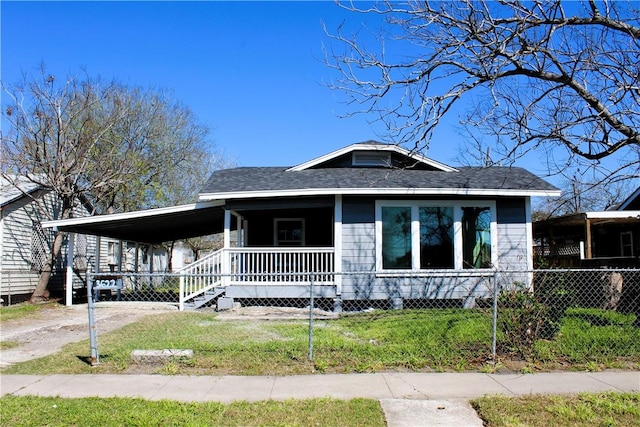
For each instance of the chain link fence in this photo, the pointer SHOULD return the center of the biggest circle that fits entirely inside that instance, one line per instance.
(433, 321)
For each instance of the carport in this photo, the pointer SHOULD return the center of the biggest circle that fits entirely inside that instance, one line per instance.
(150, 227)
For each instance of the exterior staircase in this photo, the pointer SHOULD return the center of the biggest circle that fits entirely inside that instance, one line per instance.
(204, 299)
(201, 282)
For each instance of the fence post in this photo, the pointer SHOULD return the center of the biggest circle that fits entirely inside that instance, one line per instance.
(494, 332)
(93, 338)
(181, 296)
(311, 304)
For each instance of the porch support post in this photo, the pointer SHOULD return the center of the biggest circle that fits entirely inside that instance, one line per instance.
(239, 232)
(69, 278)
(226, 261)
(587, 230)
(337, 243)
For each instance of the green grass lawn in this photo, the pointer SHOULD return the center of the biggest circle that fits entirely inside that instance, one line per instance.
(587, 409)
(377, 341)
(55, 411)
(413, 340)
(20, 311)
(418, 340)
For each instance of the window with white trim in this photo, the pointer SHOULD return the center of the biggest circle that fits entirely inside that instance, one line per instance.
(412, 235)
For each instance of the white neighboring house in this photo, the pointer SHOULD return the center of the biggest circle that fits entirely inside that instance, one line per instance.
(25, 244)
(23, 206)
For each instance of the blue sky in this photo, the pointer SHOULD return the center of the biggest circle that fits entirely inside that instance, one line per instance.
(252, 71)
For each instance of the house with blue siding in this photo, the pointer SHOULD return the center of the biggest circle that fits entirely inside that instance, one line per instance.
(370, 221)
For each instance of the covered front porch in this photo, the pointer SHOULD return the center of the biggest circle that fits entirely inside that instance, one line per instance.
(266, 272)
(271, 249)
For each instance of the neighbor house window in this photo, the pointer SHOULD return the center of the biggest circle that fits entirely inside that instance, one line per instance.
(434, 235)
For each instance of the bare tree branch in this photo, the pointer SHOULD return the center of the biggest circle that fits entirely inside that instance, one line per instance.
(548, 74)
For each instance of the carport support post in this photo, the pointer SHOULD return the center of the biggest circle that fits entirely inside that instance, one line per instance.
(69, 278)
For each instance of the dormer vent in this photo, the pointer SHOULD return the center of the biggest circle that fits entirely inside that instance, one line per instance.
(371, 158)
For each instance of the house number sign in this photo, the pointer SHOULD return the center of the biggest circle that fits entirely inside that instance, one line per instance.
(108, 282)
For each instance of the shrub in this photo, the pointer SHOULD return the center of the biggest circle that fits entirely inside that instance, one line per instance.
(522, 319)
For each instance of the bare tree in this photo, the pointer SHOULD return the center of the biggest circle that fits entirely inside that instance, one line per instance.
(561, 77)
(581, 195)
(85, 140)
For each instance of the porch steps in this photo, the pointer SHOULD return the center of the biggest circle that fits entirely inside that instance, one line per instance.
(203, 299)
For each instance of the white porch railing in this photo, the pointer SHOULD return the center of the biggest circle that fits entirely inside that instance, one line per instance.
(263, 266)
(281, 265)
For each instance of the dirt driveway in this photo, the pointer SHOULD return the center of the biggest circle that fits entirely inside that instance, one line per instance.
(48, 330)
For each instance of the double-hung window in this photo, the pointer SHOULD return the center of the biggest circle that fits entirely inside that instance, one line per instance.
(414, 235)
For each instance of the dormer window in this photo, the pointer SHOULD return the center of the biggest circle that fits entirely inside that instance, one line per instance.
(371, 158)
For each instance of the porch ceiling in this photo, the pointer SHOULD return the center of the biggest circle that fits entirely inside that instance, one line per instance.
(150, 226)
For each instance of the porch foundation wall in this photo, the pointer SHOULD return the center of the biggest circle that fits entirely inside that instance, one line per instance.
(280, 291)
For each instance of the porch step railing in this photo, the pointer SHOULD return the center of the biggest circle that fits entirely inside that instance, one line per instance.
(200, 276)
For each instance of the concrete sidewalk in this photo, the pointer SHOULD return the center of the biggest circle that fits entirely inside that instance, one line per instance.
(407, 398)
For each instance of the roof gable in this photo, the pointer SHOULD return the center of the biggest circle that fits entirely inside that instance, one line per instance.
(13, 188)
(364, 155)
(632, 202)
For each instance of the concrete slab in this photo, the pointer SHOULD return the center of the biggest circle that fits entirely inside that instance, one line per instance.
(186, 388)
(442, 385)
(160, 356)
(227, 389)
(621, 380)
(10, 384)
(427, 413)
(551, 383)
(331, 385)
(75, 386)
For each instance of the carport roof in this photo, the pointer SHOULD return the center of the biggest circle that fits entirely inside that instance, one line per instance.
(151, 226)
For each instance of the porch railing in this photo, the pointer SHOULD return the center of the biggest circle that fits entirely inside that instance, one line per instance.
(568, 250)
(281, 265)
(264, 265)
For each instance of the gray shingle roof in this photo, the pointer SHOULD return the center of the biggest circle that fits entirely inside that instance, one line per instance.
(15, 188)
(252, 179)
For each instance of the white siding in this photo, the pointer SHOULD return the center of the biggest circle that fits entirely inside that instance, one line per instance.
(18, 219)
(358, 247)
(512, 247)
